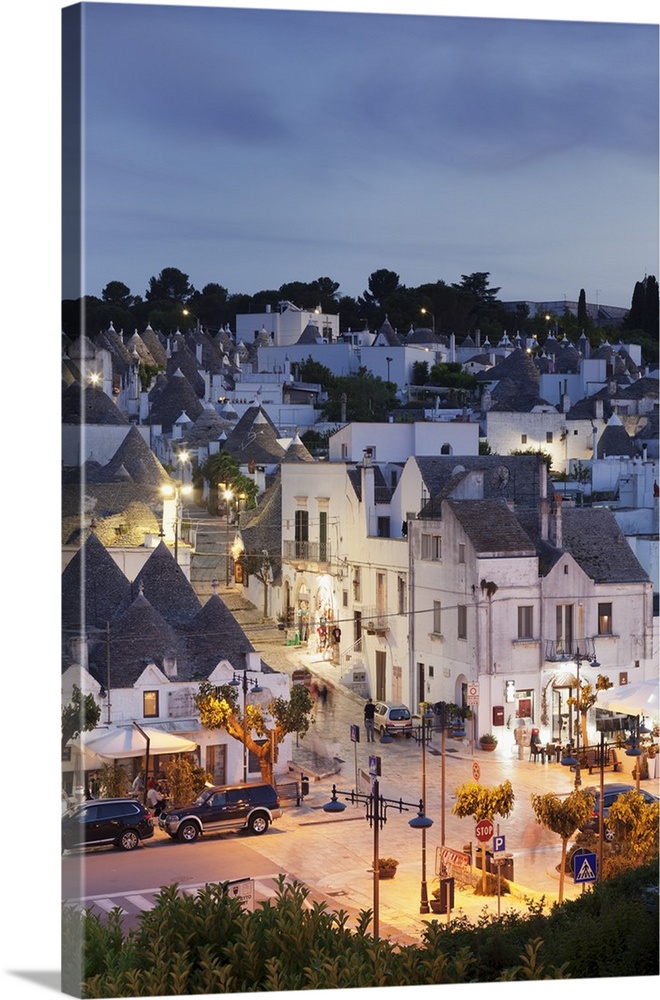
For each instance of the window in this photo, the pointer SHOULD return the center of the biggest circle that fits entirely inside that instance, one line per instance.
(344, 598)
(526, 622)
(344, 451)
(437, 617)
(432, 547)
(604, 619)
(356, 584)
(462, 621)
(383, 527)
(523, 439)
(401, 594)
(461, 552)
(150, 704)
(548, 437)
(323, 536)
(564, 625)
(301, 533)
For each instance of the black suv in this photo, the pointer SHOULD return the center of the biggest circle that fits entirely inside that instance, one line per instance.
(120, 822)
(224, 807)
(611, 794)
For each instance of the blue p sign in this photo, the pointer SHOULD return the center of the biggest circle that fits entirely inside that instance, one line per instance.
(498, 844)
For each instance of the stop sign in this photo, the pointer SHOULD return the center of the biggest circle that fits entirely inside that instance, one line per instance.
(484, 830)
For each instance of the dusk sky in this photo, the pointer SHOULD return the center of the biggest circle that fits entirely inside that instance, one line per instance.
(254, 147)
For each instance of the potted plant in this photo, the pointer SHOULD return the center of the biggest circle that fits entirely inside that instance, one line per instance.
(488, 742)
(387, 867)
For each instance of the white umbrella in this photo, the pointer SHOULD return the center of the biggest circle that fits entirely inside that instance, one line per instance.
(632, 699)
(130, 741)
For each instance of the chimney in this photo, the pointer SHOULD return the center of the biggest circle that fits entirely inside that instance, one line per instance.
(544, 509)
(599, 408)
(343, 407)
(556, 529)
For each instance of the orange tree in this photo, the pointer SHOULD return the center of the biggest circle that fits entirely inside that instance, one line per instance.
(219, 708)
(563, 816)
(483, 802)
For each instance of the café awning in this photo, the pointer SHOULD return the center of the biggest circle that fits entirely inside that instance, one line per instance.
(131, 741)
(632, 699)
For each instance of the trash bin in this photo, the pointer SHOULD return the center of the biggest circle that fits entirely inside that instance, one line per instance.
(304, 785)
(446, 895)
(505, 866)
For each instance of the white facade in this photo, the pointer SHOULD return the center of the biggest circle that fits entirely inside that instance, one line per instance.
(285, 324)
(397, 442)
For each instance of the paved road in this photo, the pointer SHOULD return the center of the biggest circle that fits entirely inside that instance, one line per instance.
(332, 855)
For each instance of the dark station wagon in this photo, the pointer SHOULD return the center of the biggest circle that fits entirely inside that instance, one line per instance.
(223, 808)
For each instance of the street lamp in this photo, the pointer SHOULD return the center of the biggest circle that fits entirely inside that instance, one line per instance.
(227, 493)
(389, 362)
(423, 733)
(187, 312)
(376, 815)
(172, 512)
(426, 312)
(570, 760)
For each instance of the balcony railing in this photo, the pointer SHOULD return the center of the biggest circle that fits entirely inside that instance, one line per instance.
(562, 650)
(375, 621)
(312, 552)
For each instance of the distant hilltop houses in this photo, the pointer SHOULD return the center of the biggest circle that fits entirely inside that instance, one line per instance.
(599, 315)
(489, 530)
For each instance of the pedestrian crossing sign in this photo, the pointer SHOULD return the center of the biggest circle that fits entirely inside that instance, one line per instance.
(584, 867)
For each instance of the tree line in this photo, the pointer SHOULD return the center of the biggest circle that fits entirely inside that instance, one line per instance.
(459, 307)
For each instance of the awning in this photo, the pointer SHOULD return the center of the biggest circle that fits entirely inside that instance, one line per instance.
(128, 741)
(565, 680)
(632, 699)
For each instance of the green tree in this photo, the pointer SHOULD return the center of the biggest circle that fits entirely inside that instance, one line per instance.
(368, 398)
(563, 817)
(223, 468)
(80, 715)
(185, 780)
(219, 708)
(483, 802)
(118, 294)
(582, 309)
(171, 285)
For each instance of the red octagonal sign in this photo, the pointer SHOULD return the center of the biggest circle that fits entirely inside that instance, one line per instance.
(484, 830)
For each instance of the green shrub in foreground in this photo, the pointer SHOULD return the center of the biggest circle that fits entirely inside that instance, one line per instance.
(207, 944)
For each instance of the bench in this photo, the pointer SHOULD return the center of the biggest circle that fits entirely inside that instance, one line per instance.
(590, 758)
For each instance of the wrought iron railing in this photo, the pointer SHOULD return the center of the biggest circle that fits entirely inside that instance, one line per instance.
(565, 650)
(317, 552)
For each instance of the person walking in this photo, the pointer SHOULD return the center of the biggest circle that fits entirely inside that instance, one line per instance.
(369, 710)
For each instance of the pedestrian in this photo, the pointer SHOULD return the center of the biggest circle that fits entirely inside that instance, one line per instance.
(155, 800)
(138, 783)
(369, 711)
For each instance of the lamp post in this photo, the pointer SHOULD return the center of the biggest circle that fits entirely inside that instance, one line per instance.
(376, 815)
(228, 494)
(427, 312)
(389, 362)
(570, 760)
(187, 312)
(172, 496)
(242, 683)
(634, 749)
(423, 733)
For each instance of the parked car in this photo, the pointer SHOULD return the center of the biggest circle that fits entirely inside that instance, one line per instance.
(610, 795)
(222, 808)
(121, 822)
(393, 718)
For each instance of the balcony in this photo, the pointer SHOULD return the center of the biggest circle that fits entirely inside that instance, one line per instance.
(562, 650)
(305, 552)
(375, 622)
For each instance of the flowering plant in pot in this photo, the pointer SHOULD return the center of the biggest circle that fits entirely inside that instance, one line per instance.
(387, 867)
(488, 741)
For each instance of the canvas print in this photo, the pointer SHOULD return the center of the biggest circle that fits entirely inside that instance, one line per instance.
(359, 500)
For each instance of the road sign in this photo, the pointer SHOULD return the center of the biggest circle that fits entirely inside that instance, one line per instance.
(476, 770)
(355, 734)
(374, 766)
(483, 831)
(585, 867)
(243, 890)
(498, 844)
(473, 694)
